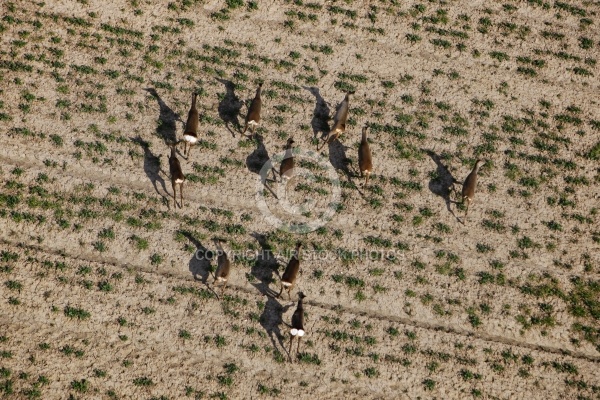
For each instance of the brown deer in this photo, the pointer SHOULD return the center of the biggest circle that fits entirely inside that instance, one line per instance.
(339, 121)
(223, 267)
(365, 161)
(291, 272)
(190, 135)
(286, 168)
(177, 177)
(253, 116)
(468, 189)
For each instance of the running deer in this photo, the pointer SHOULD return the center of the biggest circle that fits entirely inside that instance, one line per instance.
(190, 135)
(253, 116)
(291, 272)
(365, 161)
(297, 324)
(177, 177)
(286, 168)
(223, 267)
(339, 121)
(468, 189)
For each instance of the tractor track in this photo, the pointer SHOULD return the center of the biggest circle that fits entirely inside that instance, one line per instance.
(450, 329)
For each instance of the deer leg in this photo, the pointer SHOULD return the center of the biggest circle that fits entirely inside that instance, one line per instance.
(467, 210)
(290, 350)
(174, 193)
(451, 191)
(366, 179)
(298, 348)
(181, 193)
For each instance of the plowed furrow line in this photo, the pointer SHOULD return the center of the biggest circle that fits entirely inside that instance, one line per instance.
(451, 329)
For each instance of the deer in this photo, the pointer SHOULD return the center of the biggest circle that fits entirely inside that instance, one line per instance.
(177, 177)
(190, 134)
(365, 161)
(297, 325)
(339, 121)
(468, 189)
(253, 116)
(291, 272)
(223, 267)
(286, 168)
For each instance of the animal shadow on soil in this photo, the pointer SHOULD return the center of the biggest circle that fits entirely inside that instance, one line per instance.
(257, 159)
(320, 119)
(264, 270)
(152, 168)
(443, 183)
(200, 264)
(229, 107)
(167, 118)
(338, 158)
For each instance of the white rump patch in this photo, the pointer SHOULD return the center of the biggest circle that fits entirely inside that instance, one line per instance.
(221, 279)
(294, 332)
(178, 180)
(252, 122)
(190, 139)
(300, 332)
(286, 284)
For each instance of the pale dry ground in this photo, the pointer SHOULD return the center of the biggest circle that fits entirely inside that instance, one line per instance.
(467, 291)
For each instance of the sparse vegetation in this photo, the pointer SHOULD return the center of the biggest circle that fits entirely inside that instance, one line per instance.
(91, 239)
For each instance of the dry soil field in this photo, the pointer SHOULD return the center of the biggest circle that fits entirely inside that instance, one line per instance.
(102, 295)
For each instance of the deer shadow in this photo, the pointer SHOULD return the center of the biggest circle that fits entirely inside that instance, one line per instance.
(167, 118)
(229, 107)
(320, 119)
(152, 167)
(264, 270)
(201, 263)
(338, 158)
(443, 183)
(257, 160)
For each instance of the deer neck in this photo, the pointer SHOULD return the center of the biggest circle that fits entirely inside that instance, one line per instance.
(288, 153)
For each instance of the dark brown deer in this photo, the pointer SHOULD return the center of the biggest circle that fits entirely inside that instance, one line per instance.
(190, 135)
(177, 177)
(297, 324)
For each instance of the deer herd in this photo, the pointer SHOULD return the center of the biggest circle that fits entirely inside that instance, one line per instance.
(286, 172)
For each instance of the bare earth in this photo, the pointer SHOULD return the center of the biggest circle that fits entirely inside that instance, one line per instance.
(103, 297)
